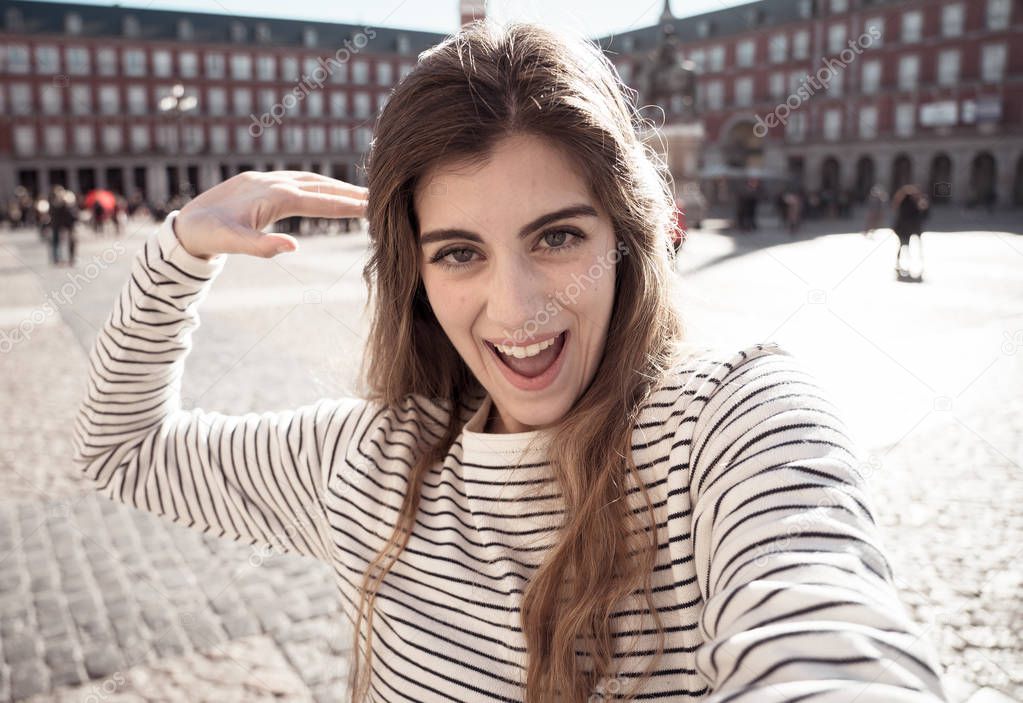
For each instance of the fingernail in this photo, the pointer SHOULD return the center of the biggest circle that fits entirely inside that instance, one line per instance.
(283, 248)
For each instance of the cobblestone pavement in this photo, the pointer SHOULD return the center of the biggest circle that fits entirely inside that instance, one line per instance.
(102, 602)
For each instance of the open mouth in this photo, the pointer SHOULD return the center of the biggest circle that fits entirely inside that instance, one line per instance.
(531, 365)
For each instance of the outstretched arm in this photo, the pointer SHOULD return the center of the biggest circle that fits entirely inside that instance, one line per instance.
(799, 596)
(257, 478)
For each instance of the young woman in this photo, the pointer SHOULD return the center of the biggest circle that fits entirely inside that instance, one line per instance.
(544, 493)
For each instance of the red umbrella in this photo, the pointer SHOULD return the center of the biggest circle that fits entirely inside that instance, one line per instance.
(106, 199)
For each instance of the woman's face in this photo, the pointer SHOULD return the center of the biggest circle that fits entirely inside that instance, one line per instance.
(517, 253)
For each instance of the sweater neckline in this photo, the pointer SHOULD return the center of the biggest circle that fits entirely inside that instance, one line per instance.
(500, 449)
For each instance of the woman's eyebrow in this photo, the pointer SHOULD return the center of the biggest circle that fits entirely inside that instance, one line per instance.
(440, 235)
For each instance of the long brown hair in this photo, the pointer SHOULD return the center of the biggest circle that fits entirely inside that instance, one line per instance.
(485, 83)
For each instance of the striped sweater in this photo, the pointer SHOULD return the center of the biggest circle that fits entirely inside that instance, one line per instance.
(771, 578)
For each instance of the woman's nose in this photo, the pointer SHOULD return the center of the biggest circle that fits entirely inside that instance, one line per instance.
(516, 293)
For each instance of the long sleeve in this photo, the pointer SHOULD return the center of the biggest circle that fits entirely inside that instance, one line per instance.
(257, 478)
(800, 601)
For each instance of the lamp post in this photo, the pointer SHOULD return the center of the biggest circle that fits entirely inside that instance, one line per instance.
(178, 103)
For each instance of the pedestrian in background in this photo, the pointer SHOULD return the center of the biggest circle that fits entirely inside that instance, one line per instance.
(910, 206)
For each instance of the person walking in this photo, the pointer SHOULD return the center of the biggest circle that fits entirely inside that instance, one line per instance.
(910, 206)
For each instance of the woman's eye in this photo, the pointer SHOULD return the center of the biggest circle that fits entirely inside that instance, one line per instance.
(559, 239)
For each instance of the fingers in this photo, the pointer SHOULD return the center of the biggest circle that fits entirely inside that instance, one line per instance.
(311, 177)
(306, 202)
(262, 244)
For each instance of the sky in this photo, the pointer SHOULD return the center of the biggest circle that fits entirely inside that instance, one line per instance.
(586, 17)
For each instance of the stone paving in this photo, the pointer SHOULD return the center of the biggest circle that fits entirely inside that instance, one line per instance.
(102, 602)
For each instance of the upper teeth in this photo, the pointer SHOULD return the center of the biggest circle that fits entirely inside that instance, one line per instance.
(523, 352)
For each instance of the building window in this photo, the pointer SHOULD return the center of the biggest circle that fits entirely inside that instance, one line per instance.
(316, 138)
(238, 33)
(905, 119)
(289, 68)
(806, 9)
(716, 58)
(868, 122)
(836, 38)
(50, 97)
(777, 85)
(801, 44)
(112, 139)
(54, 141)
(992, 63)
(243, 140)
(309, 36)
(385, 74)
(242, 99)
(185, 30)
(134, 62)
(314, 104)
(81, 99)
(745, 53)
(744, 92)
(109, 100)
(130, 26)
(403, 44)
(267, 100)
(909, 72)
(47, 60)
(839, 6)
(73, 23)
(834, 85)
(796, 79)
(218, 139)
(795, 130)
(167, 137)
(699, 59)
(833, 125)
(338, 73)
(214, 65)
(25, 140)
(948, 67)
(268, 141)
(952, 20)
(21, 99)
(360, 72)
(912, 26)
(85, 140)
(266, 68)
(871, 76)
(779, 48)
(106, 61)
(874, 27)
(363, 138)
(188, 61)
(139, 138)
(715, 95)
(17, 58)
(193, 138)
(382, 100)
(137, 99)
(241, 67)
(338, 105)
(340, 138)
(262, 33)
(998, 14)
(294, 138)
(77, 60)
(362, 105)
(163, 64)
(217, 101)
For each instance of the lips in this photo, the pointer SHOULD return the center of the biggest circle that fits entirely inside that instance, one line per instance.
(533, 373)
